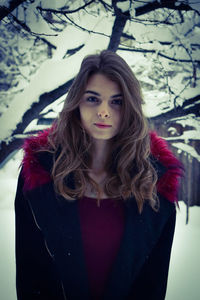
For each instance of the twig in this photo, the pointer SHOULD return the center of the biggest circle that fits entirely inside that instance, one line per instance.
(26, 28)
(159, 53)
(84, 29)
(64, 12)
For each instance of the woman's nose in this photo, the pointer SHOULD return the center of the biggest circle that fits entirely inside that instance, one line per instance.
(103, 114)
(103, 111)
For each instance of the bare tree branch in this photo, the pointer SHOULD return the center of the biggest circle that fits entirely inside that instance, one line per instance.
(127, 36)
(190, 106)
(162, 4)
(31, 114)
(166, 18)
(64, 12)
(4, 11)
(193, 63)
(159, 54)
(85, 29)
(26, 28)
(106, 5)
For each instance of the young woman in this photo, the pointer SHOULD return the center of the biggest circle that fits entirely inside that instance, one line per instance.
(95, 204)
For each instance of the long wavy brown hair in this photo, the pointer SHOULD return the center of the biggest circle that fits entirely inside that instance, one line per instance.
(128, 166)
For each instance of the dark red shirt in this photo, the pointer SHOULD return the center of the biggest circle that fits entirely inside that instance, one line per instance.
(102, 229)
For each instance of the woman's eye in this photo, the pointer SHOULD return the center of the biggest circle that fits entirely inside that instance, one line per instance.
(117, 102)
(92, 99)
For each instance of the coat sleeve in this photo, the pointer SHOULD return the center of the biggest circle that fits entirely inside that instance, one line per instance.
(151, 282)
(36, 275)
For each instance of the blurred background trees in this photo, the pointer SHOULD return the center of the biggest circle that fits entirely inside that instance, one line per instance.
(42, 44)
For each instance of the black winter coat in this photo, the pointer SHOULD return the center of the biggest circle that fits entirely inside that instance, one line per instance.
(50, 262)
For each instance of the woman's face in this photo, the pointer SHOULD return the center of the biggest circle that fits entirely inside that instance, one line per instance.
(100, 107)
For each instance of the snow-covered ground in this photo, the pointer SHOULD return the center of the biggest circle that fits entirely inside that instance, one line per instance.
(184, 273)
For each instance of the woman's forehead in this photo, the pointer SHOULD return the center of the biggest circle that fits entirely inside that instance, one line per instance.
(102, 82)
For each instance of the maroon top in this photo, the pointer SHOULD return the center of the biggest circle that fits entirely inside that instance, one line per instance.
(102, 228)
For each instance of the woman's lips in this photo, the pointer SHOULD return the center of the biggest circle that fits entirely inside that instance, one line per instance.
(102, 125)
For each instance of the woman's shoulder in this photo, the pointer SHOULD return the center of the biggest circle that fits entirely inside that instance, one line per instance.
(169, 169)
(37, 160)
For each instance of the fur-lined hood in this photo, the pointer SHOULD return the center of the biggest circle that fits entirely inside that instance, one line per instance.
(37, 166)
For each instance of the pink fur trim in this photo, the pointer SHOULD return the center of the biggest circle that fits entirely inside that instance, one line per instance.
(168, 184)
(34, 174)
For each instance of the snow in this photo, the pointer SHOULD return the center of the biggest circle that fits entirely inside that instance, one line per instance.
(45, 80)
(195, 4)
(155, 101)
(184, 271)
(186, 136)
(123, 6)
(8, 182)
(186, 148)
(7, 257)
(189, 120)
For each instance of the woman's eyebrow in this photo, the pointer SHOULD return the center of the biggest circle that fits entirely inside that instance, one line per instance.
(97, 94)
(92, 92)
(116, 96)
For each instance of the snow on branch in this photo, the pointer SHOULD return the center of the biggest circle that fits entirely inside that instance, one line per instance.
(190, 106)
(8, 146)
(27, 28)
(159, 54)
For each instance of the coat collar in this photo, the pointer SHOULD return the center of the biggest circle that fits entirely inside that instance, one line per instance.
(37, 165)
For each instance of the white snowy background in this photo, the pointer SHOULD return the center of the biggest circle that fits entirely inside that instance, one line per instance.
(45, 75)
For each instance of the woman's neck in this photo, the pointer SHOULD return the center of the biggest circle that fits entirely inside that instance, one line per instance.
(98, 172)
(99, 156)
